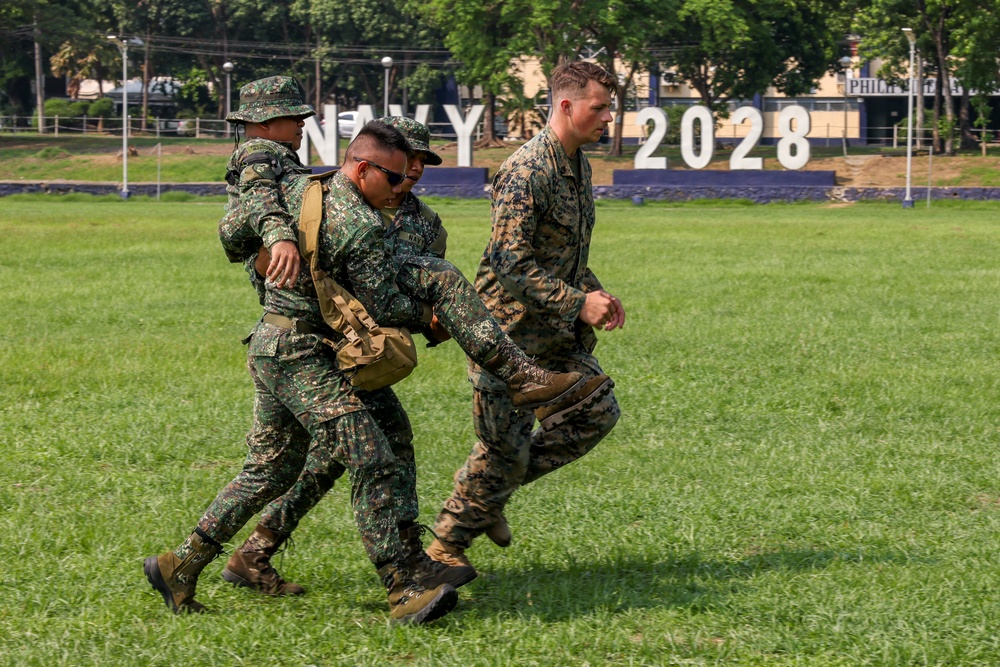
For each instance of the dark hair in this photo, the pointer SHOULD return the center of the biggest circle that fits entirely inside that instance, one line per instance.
(378, 137)
(574, 77)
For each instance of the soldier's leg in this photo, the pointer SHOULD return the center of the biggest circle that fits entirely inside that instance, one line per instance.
(384, 407)
(491, 473)
(297, 385)
(271, 466)
(564, 437)
(463, 314)
(359, 446)
(250, 564)
(455, 302)
(389, 416)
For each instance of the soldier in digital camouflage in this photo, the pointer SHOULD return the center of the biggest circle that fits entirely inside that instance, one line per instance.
(304, 404)
(271, 114)
(534, 278)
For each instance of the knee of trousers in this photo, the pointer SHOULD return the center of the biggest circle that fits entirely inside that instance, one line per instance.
(607, 415)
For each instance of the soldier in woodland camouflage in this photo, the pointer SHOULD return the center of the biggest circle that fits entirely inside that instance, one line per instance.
(534, 278)
(298, 389)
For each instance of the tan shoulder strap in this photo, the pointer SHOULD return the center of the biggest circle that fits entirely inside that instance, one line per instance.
(341, 310)
(310, 218)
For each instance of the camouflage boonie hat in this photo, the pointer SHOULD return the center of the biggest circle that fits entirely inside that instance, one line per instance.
(416, 134)
(273, 97)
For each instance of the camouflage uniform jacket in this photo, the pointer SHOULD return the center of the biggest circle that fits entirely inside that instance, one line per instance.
(415, 230)
(533, 275)
(256, 210)
(353, 252)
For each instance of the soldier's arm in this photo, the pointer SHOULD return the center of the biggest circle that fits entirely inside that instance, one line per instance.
(261, 202)
(512, 254)
(437, 235)
(590, 282)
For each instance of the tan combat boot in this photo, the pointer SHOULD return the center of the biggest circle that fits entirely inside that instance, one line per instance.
(430, 573)
(499, 533)
(175, 579)
(592, 391)
(250, 565)
(528, 384)
(409, 602)
(449, 554)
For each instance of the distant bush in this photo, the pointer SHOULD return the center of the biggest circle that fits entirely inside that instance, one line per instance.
(101, 108)
(59, 107)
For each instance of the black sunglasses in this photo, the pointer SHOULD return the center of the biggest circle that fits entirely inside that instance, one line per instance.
(394, 177)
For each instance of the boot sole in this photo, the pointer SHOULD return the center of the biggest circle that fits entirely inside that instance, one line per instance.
(569, 392)
(557, 418)
(444, 602)
(155, 578)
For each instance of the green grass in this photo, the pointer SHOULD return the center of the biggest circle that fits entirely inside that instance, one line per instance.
(92, 158)
(805, 472)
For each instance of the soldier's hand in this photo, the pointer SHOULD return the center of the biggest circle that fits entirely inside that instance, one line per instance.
(438, 331)
(603, 310)
(284, 266)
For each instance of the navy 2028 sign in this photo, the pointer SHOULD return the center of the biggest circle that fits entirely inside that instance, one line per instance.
(793, 147)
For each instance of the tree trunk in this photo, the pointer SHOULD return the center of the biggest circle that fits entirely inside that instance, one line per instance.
(489, 139)
(944, 79)
(146, 76)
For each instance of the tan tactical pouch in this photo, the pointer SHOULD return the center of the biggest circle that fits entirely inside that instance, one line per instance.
(372, 356)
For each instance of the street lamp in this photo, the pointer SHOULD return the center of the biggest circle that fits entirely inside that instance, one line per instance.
(845, 62)
(908, 200)
(387, 64)
(123, 45)
(228, 68)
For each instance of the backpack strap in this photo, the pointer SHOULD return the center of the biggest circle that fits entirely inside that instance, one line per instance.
(341, 310)
(260, 157)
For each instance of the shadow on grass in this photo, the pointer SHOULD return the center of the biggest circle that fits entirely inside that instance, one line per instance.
(687, 581)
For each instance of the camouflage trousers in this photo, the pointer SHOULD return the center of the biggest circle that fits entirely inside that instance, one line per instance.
(511, 453)
(320, 471)
(297, 385)
(458, 307)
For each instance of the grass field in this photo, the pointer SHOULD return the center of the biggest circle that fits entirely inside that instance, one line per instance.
(805, 473)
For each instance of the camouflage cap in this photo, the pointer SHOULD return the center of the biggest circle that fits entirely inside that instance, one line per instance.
(416, 134)
(273, 97)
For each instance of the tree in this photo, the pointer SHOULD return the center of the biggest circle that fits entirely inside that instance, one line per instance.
(734, 49)
(957, 36)
(484, 38)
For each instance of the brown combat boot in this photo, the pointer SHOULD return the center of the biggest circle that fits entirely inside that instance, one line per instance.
(449, 554)
(250, 565)
(429, 572)
(409, 602)
(175, 579)
(592, 391)
(529, 385)
(499, 533)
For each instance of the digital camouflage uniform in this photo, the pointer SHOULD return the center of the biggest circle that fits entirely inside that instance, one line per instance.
(533, 277)
(255, 200)
(296, 381)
